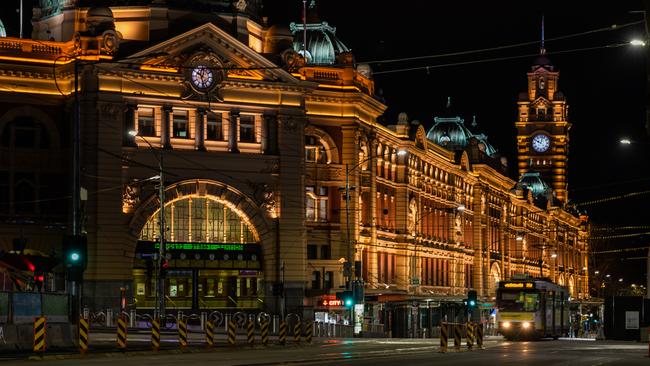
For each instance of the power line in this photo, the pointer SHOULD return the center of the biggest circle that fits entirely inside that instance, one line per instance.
(514, 45)
(614, 45)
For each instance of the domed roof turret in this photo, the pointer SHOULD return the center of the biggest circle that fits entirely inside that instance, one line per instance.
(534, 182)
(322, 45)
(3, 31)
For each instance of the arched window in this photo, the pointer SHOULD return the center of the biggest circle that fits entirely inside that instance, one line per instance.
(25, 133)
(201, 219)
(314, 150)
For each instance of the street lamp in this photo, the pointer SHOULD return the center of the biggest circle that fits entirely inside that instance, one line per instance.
(638, 43)
(160, 290)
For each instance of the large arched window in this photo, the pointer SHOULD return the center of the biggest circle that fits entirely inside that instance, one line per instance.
(203, 219)
(315, 151)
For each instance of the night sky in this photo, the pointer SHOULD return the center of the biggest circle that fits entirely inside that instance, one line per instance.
(605, 88)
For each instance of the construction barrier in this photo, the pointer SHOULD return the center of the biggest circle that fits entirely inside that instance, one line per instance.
(232, 332)
(309, 331)
(250, 332)
(121, 332)
(209, 333)
(457, 336)
(479, 336)
(39, 334)
(282, 335)
(469, 335)
(182, 333)
(443, 338)
(265, 331)
(83, 334)
(155, 334)
(296, 332)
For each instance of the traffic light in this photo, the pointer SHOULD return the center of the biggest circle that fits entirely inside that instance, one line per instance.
(471, 298)
(75, 258)
(358, 293)
(347, 297)
(39, 278)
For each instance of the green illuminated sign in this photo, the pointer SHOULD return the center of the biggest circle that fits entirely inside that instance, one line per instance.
(201, 246)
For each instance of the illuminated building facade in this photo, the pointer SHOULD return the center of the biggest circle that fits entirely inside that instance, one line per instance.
(255, 140)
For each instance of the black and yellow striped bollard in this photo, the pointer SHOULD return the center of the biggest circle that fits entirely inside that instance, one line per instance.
(309, 331)
(209, 333)
(469, 336)
(232, 332)
(39, 334)
(457, 336)
(444, 338)
(182, 333)
(479, 336)
(155, 334)
(265, 331)
(83, 335)
(250, 332)
(121, 332)
(282, 335)
(297, 328)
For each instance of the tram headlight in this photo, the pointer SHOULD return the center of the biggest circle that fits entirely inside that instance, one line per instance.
(525, 325)
(506, 325)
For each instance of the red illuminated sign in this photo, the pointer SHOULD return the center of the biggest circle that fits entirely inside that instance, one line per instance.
(327, 302)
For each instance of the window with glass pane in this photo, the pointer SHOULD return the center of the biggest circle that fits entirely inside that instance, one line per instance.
(314, 150)
(325, 252)
(311, 251)
(315, 280)
(181, 125)
(246, 128)
(146, 125)
(215, 127)
(200, 219)
(311, 207)
(328, 282)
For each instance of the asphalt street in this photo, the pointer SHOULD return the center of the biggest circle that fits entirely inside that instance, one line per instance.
(378, 352)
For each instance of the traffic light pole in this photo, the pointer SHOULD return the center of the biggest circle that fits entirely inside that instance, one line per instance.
(161, 247)
(75, 286)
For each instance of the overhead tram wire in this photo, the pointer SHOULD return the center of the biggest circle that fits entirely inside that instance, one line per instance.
(496, 48)
(505, 58)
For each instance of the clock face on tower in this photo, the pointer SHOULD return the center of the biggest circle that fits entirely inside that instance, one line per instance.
(202, 77)
(541, 143)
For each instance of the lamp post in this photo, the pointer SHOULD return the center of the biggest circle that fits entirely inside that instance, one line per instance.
(626, 141)
(348, 264)
(160, 289)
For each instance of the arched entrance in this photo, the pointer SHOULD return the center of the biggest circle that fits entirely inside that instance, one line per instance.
(213, 250)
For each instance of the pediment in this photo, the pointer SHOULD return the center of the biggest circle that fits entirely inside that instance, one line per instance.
(541, 102)
(211, 43)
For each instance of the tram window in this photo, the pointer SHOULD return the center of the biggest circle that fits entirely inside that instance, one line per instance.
(519, 301)
(210, 286)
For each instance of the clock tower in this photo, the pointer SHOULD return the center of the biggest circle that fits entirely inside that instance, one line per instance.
(542, 127)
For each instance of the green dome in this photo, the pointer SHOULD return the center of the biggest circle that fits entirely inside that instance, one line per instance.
(322, 44)
(534, 182)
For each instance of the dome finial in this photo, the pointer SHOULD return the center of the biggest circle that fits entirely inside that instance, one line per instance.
(448, 102)
(474, 124)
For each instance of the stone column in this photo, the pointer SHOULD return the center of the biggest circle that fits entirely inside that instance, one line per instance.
(232, 135)
(199, 129)
(269, 134)
(129, 125)
(165, 127)
(372, 250)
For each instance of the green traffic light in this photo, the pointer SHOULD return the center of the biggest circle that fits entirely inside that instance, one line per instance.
(75, 256)
(472, 303)
(348, 302)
